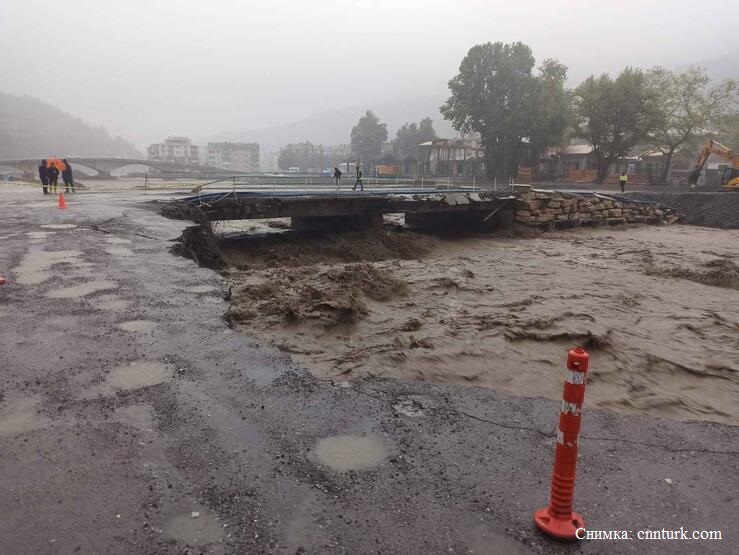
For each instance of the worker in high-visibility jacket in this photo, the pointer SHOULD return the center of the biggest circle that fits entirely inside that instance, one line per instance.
(623, 179)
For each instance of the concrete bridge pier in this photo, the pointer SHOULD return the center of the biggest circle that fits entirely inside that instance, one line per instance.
(352, 222)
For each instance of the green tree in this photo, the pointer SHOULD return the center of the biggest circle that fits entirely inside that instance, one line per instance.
(729, 131)
(368, 137)
(406, 141)
(426, 131)
(410, 135)
(497, 95)
(305, 156)
(615, 115)
(688, 105)
(288, 158)
(550, 109)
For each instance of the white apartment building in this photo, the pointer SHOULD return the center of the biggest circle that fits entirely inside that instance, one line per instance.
(242, 157)
(175, 150)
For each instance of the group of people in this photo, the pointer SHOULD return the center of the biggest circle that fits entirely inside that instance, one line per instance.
(358, 181)
(49, 172)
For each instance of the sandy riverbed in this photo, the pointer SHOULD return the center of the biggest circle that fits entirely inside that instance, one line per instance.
(657, 308)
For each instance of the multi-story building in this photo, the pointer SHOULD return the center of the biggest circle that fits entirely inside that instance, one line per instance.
(176, 150)
(451, 158)
(242, 157)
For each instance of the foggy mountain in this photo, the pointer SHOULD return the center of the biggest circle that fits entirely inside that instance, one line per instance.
(333, 127)
(30, 127)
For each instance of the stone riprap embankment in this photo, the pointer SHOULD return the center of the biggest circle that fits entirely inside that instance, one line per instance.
(550, 209)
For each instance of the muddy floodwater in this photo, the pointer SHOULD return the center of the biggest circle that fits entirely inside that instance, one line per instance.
(656, 307)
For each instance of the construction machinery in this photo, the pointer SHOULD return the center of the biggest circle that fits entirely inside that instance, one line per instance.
(730, 174)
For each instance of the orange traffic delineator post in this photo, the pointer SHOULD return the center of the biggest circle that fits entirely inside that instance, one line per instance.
(62, 202)
(558, 519)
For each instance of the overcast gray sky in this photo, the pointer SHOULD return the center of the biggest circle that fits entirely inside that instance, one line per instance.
(147, 69)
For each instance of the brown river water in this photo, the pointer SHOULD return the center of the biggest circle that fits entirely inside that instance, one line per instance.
(657, 308)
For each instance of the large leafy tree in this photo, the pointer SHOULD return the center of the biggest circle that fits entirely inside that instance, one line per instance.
(410, 135)
(615, 115)
(550, 108)
(497, 95)
(688, 105)
(368, 137)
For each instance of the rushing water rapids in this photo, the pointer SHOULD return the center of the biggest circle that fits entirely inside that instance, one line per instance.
(657, 308)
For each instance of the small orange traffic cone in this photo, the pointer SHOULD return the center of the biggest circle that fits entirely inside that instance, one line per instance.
(3, 281)
(62, 202)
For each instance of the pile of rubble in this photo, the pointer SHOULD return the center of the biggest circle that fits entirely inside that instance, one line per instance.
(557, 209)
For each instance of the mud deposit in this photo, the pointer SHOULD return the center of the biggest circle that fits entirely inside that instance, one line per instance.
(657, 308)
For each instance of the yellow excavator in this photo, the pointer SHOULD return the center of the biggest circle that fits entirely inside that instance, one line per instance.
(730, 175)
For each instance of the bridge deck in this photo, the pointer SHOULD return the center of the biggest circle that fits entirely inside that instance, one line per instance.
(237, 205)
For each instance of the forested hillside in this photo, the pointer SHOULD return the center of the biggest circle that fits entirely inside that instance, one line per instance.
(32, 128)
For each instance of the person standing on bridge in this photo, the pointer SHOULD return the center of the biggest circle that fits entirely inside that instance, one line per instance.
(67, 176)
(623, 179)
(337, 177)
(43, 175)
(359, 179)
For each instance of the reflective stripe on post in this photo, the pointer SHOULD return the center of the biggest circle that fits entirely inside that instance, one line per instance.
(558, 519)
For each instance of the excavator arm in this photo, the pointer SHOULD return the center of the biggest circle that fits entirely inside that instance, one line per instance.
(714, 147)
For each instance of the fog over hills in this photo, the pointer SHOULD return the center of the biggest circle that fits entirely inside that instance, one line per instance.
(30, 127)
(332, 127)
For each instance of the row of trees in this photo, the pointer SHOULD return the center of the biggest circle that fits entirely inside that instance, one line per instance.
(369, 136)
(519, 110)
(311, 156)
(368, 139)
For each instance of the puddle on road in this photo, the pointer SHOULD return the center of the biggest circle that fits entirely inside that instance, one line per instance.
(118, 241)
(119, 251)
(20, 415)
(201, 289)
(344, 453)
(35, 266)
(139, 416)
(135, 375)
(110, 303)
(141, 326)
(194, 531)
(81, 290)
(39, 234)
(59, 226)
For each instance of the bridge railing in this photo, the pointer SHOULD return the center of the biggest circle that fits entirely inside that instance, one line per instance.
(264, 183)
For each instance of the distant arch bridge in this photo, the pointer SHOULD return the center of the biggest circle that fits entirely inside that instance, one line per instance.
(102, 166)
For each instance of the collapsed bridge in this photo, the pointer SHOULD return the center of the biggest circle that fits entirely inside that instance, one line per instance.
(441, 210)
(329, 211)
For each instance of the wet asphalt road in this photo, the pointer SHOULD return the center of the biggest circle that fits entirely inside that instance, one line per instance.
(98, 456)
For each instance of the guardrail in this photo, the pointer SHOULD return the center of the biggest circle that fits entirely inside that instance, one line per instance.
(314, 183)
(265, 183)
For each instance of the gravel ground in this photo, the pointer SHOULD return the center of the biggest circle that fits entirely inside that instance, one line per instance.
(709, 209)
(133, 420)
